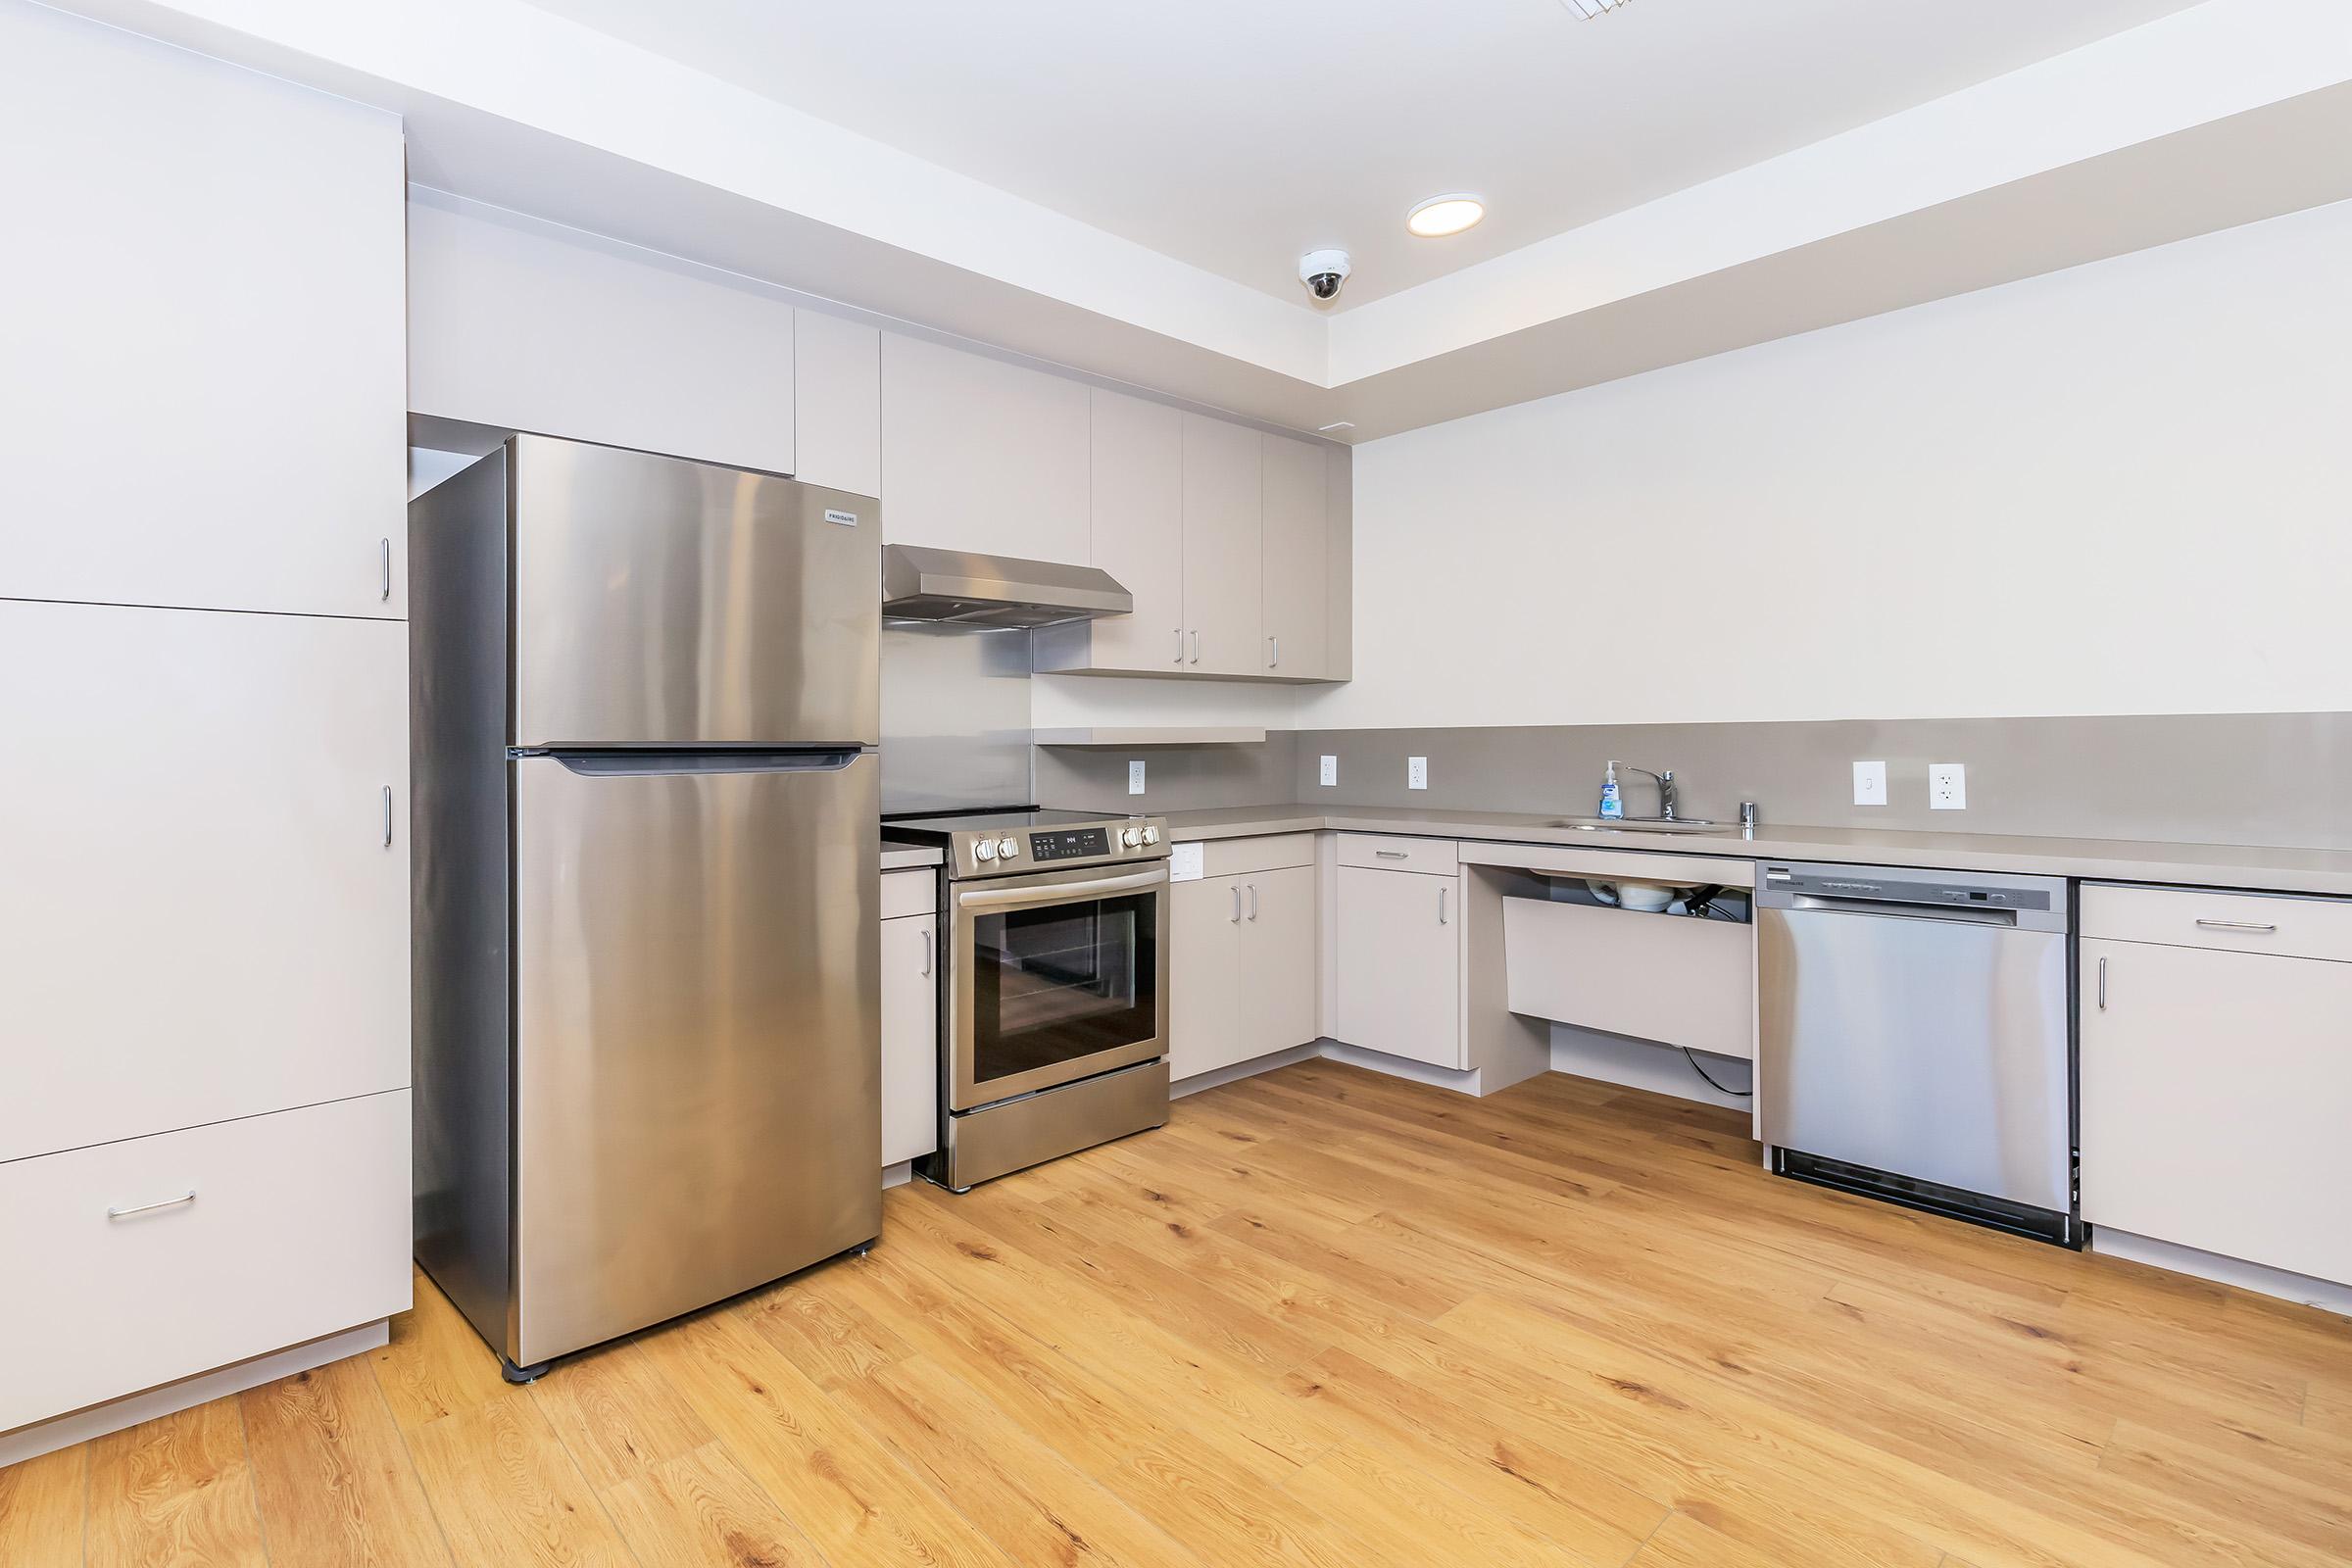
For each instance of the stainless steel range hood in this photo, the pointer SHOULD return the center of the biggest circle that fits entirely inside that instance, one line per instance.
(919, 584)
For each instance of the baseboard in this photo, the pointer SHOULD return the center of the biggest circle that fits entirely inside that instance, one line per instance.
(1420, 1072)
(1646, 1064)
(2325, 1295)
(63, 1431)
(1240, 1069)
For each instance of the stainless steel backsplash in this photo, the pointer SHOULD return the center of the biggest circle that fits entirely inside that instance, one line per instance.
(954, 718)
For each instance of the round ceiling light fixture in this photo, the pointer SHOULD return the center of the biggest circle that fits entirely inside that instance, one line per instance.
(1441, 216)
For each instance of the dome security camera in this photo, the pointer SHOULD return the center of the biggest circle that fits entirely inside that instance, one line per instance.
(1323, 272)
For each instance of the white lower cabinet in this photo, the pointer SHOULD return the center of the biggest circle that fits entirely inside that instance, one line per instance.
(2217, 1099)
(141, 1262)
(1399, 963)
(205, 906)
(1242, 969)
(909, 1037)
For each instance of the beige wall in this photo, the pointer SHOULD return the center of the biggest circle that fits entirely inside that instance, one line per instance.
(2121, 489)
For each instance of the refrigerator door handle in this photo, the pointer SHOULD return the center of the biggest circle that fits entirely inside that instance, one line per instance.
(618, 763)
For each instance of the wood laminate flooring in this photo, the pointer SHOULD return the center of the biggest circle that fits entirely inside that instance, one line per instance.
(1326, 1318)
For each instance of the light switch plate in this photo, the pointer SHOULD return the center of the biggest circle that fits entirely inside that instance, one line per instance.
(1135, 776)
(1948, 786)
(1187, 863)
(1328, 774)
(1870, 783)
(1416, 772)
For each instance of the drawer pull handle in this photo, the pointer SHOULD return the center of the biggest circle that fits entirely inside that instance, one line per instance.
(1393, 854)
(2255, 927)
(188, 1197)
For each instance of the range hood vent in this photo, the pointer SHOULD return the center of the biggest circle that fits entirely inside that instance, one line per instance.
(962, 589)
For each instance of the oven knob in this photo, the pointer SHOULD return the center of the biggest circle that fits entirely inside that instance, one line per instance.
(1132, 837)
(984, 850)
(1007, 850)
(1151, 835)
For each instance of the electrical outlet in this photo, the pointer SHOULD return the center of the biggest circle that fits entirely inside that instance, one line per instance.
(1135, 776)
(1328, 774)
(1870, 783)
(1948, 786)
(1416, 772)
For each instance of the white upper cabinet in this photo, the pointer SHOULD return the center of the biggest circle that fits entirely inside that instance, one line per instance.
(524, 327)
(1296, 559)
(203, 337)
(836, 403)
(981, 455)
(205, 915)
(1223, 571)
(1138, 530)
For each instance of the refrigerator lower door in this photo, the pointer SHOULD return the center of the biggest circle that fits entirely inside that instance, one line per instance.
(697, 1046)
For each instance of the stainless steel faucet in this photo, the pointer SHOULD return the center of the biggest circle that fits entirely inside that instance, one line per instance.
(1665, 789)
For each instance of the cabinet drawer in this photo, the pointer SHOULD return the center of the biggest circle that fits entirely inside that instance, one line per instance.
(2279, 925)
(299, 1227)
(1385, 854)
(1270, 852)
(906, 893)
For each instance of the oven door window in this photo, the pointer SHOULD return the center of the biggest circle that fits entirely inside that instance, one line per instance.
(1057, 984)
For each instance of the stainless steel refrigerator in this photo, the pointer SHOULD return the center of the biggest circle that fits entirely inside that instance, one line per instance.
(644, 713)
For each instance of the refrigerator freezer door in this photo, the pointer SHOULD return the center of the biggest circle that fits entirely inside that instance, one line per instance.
(663, 603)
(697, 1054)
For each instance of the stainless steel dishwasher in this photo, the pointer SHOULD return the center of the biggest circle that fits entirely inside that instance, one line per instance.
(1914, 1043)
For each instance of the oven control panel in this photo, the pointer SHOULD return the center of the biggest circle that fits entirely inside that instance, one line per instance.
(1012, 850)
(1070, 844)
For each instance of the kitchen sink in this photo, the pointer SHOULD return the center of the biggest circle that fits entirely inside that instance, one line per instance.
(1644, 824)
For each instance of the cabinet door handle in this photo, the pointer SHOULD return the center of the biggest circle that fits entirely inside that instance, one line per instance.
(2249, 926)
(1195, 646)
(1274, 657)
(387, 816)
(926, 954)
(1443, 890)
(1237, 908)
(1180, 644)
(188, 1197)
(2102, 985)
(1253, 901)
(386, 595)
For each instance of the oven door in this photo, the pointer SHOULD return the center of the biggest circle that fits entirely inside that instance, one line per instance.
(1055, 977)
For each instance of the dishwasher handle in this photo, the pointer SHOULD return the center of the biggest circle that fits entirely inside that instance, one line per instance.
(1951, 913)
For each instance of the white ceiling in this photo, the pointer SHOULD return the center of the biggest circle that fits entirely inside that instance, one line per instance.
(1234, 134)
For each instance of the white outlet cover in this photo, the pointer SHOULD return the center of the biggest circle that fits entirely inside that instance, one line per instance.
(1328, 773)
(1870, 783)
(1416, 772)
(1948, 786)
(1135, 776)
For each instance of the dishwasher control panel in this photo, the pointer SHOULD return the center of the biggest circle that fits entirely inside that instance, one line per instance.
(1789, 886)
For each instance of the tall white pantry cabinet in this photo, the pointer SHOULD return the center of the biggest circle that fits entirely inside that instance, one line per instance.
(204, 859)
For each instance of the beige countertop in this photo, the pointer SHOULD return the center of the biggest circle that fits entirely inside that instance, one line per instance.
(2116, 859)
(910, 857)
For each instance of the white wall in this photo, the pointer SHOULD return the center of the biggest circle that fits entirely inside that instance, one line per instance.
(2121, 489)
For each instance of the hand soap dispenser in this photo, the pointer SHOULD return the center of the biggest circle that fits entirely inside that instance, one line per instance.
(1612, 803)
